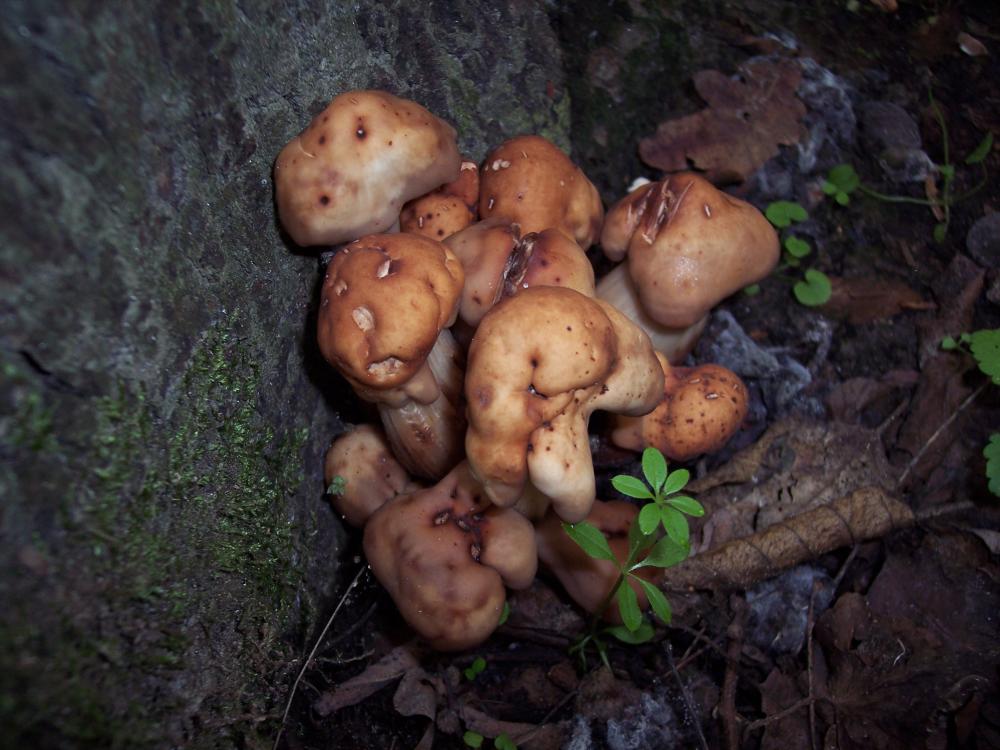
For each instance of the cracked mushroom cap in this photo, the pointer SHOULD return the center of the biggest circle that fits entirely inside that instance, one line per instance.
(702, 408)
(540, 363)
(385, 299)
(446, 210)
(689, 246)
(499, 262)
(531, 182)
(445, 554)
(372, 476)
(586, 579)
(350, 171)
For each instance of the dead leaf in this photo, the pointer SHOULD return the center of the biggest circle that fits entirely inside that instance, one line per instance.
(886, 6)
(862, 300)
(748, 117)
(417, 694)
(849, 400)
(389, 668)
(526, 736)
(777, 693)
(970, 45)
(846, 620)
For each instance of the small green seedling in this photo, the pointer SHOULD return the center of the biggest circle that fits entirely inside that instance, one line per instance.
(504, 614)
(840, 182)
(337, 486)
(658, 537)
(814, 288)
(472, 739)
(984, 346)
(473, 670)
(503, 742)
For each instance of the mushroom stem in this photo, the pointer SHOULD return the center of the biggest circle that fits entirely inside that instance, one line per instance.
(618, 289)
(428, 438)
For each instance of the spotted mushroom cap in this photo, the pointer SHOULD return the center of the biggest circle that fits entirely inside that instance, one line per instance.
(385, 299)
(350, 171)
(587, 579)
(446, 210)
(445, 553)
(689, 246)
(372, 476)
(539, 364)
(530, 181)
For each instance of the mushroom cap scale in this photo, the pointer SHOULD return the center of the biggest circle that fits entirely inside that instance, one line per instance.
(350, 171)
(384, 301)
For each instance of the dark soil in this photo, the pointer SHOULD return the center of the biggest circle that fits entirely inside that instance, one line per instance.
(891, 643)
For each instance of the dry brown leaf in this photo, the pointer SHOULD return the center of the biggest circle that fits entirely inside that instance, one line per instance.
(526, 736)
(862, 300)
(417, 694)
(748, 117)
(389, 668)
(850, 399)
(777, 693)
(886, 6)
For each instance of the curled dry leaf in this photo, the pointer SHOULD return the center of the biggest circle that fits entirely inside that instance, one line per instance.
(748, 117)
(389, 668)
(866, 299)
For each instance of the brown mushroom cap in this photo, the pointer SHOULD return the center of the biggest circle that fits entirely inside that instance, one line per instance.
(702, 409)
(540, 363)
(689, 246)
(446, 210)
(499, 262)
(384, 301)
(586, 579)
(530, 181)
(372, 476)
(350, 171)
(444, 555)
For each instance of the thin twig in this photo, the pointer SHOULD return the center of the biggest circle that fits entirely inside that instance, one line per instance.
(937, 433)
(810, 623)
(312, 653)
(843, 568)
(727, 703)
(797, 706)
(688, 706)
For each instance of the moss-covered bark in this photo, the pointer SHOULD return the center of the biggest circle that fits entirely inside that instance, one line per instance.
(162, 408)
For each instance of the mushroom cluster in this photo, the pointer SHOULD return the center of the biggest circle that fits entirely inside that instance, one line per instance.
(462, 304)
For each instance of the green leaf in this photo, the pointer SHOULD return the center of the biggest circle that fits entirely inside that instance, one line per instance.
(657, 600)
(752, 290)
(637, 540)
(473, 670)
(687, 505)
(666, 553)
(337, 486)
(948, 343)
(947, 171)
(791, 261)
(590, 539)
(649, 518)
(985, 347)
(641, 635)
(472, 739)
(814, 290)
(829, 188)
(654, 467)
(675, 524)
(842, 198)
(981, 151)
(992, 454)
(676, 481)
(844, 178)
(783, 213)
(503, 742)
(631, 486)
(797, 248)
(940, 232)
(628, 606)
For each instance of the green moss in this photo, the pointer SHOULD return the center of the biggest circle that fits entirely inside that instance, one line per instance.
(30, 424)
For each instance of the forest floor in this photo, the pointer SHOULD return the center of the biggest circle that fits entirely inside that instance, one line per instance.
(886, 638)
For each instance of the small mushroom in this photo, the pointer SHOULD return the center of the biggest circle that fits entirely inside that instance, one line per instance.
(689, 246)
(350, 171)
(529, 181)
(445, 554)
(499, 261)
(446, 210)
(702, 408)
(386, 301)
(372, 476)
(586, 579)
(539, 364)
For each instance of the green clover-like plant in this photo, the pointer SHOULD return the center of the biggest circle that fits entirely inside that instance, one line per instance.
(992, 455)
(814, 290)
(503, 742)
(783, 213)
(337, 486)
(658, 537)
(840, 182)
(473, 670)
